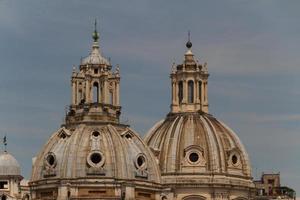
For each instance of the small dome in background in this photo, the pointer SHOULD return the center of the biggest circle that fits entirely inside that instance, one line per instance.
(9, 165)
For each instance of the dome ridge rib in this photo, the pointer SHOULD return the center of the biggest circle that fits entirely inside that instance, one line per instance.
(219, 144)
(212, 144)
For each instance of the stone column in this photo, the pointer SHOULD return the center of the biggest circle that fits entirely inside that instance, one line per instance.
(196, 91)
(87, 91)
(73, 92)
(130, 193)
(185, 91)
(173, 93)
(105, 91)
(117, 93)
(62, 193)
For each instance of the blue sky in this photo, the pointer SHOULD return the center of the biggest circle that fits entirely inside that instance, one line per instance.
(251, 47)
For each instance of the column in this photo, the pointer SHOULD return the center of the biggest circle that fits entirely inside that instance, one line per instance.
(87, 91)
(196, 93)
(173, 93)
(73, 92)
(117, 93)
(105, 91)
(185, 91)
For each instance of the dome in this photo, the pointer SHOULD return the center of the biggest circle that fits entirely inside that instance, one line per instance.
(99, 151)
(9, 165)
(95, 57)
(197, 145)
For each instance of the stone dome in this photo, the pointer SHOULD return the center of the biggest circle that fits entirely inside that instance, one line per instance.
(9, 165)
(95, 57)
(197, 145)
(97, 152)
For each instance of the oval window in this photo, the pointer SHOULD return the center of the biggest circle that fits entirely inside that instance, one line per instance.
(234, 159)
(141, 162)
(51, 160)
(194, 157)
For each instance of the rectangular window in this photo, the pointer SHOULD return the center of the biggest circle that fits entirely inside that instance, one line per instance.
(3, 185)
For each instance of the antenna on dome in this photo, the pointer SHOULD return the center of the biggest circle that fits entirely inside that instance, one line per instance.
(189, 43)
(95, 33)
(5, 143)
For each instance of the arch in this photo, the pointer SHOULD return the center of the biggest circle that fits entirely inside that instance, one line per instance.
(190, 91)
(3, 197)
(96, 92)
(194, 197)
(26, 197)
(180, 91)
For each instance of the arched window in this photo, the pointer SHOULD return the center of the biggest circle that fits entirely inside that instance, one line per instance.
(190, 92)
(3, 197)
(200, 90)
(96, 92)
(180, 91)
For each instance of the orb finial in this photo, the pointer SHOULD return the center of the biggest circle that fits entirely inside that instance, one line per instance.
(95, 33)
(189, 43)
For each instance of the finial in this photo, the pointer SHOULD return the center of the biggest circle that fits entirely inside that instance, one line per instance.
(95, 33)
(118, 69)
(5, 143)
(189, 43)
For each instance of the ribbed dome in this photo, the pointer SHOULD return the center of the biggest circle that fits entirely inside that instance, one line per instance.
(9, 165)
(197, 144)
(95, 57)
(96, 151)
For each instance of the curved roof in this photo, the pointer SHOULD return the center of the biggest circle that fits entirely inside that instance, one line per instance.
(198, 144)
(103, 150)
(95, 57)
(9, 165)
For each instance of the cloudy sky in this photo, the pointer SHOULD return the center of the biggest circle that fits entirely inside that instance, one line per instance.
(252, 49)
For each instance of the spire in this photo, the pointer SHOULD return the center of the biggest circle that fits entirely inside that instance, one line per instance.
(5, 143)
(95, 33)
(189, 43)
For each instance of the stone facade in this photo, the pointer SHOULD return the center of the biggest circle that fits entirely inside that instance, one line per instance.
(269, 187)
(189, 155)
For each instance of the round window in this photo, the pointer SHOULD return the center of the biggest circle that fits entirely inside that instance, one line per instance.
(96, 134)
(234, 159)
(96, 158)
(194, 157)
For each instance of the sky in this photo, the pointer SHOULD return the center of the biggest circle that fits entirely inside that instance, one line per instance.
(251, 47)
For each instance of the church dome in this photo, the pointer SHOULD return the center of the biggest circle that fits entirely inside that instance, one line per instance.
(9, 165)
(96, 151)
(198, 143)
(193, 148)
(93, 155)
